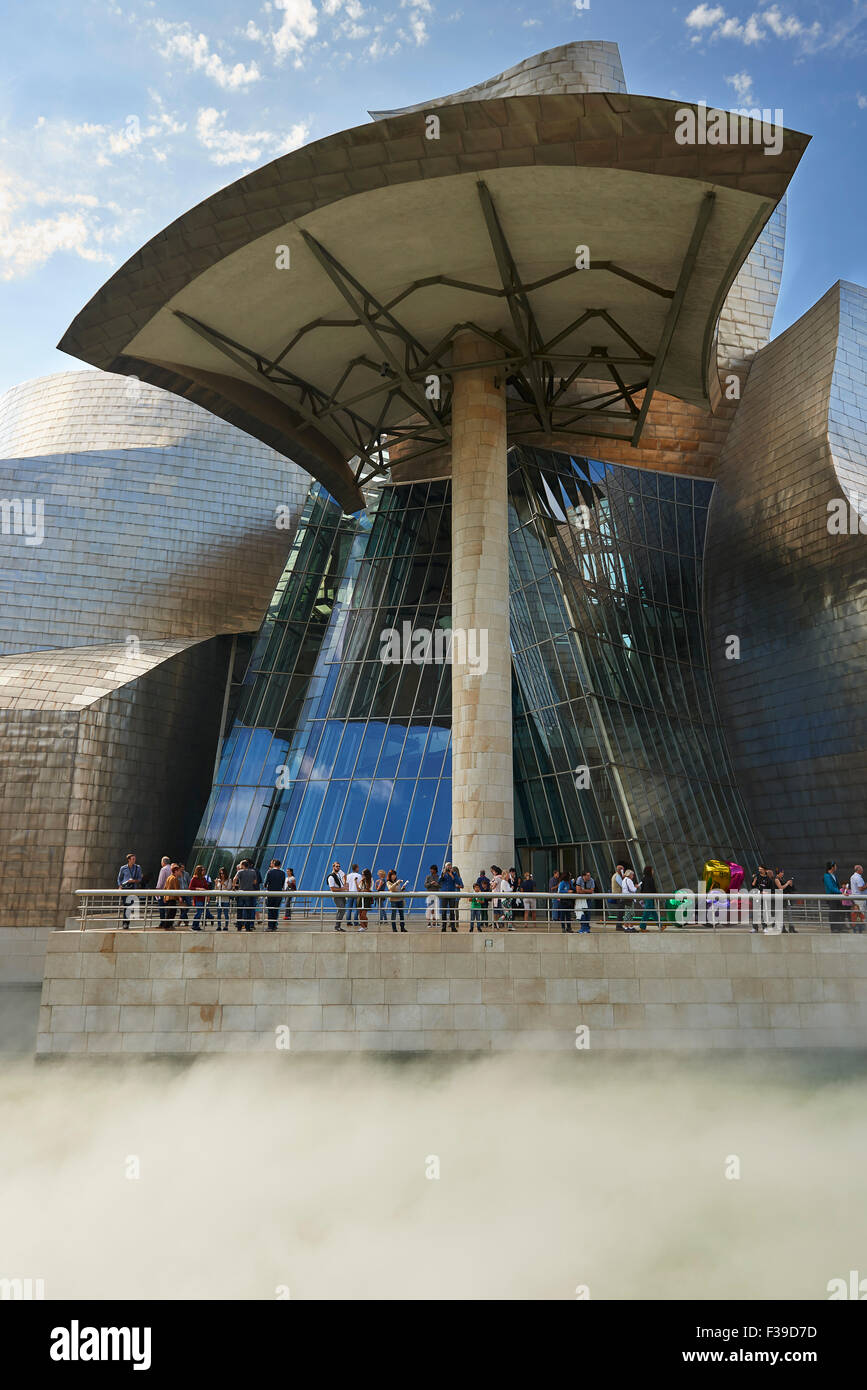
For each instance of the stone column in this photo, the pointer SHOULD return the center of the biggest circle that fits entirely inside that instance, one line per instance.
(483, 823)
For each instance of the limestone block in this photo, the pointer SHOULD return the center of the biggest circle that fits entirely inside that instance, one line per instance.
(465, 991)
(167, 967)
(433, 992)
(368, 992)
(136, 1018)
(103, 991)
(239, 1018)
(131, 991)
(340, 991)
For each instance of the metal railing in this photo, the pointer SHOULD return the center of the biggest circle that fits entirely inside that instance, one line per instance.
(112, 909)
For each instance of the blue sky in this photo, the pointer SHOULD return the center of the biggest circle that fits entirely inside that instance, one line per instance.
(116, 117)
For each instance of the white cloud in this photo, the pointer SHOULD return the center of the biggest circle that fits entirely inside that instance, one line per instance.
(237, 147)
(705, 17)
(297, 28)
(179, 41)
(862, 102)
(77, 225)
(743, 86)
(715, 23)
(132, 135)
(417, 23)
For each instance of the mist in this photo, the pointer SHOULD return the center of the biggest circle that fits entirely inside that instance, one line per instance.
(310, 1177)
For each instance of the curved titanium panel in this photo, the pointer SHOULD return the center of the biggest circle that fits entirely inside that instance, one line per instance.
(793, 593)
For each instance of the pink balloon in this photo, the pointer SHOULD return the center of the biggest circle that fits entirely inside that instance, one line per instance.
(737, 875)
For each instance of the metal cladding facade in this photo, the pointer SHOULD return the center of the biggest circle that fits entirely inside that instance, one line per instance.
(139, 534)
(156, 545)
(786, 576)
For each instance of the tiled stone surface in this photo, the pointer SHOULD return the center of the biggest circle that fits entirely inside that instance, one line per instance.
(794, 594)
(326, 992)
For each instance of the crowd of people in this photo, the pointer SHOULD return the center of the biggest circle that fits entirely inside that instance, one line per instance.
(498, 898)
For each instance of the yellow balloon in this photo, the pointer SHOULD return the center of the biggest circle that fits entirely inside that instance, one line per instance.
(717, 874)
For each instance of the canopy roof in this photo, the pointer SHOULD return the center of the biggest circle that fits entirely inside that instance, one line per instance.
(395, 241)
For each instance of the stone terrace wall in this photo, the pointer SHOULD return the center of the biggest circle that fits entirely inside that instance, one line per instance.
(153, 992)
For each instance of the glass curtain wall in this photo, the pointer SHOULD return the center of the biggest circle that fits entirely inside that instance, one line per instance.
(619, 754)
(332, 753)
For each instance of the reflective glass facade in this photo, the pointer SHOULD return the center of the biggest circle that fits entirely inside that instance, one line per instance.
(619, 754)
(329, 753)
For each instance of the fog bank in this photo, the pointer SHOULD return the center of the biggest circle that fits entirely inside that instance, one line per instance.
(259, 1174)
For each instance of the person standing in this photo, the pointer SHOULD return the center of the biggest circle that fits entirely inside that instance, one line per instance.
(353, 885)
(366, 900)
(507, 901)
(590, 885)
(648, 885)
(582, 903)
(432, 902)
(380, 887)
(247, 880)
(550, 906)
(565, 902)
(129, 876)
(129, 873)
(162, 878)
(222, 889)
(200, 902)
(585, 887)
(859, 901)
(617, 894)
(528, 888)
(184, 904)
(785, 885)
(172, 884)
(459, 883)
(337, 887)
(837, 908)
(762, 884)
(275, 882)
(291, 887)
(628, 889)
(477, 906)
(395, 891)
(447, 887)
(496, 882)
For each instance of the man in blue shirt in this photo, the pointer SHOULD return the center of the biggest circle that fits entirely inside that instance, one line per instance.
(837, 909)
(128, 876)
(129, 872)
(447, 885)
